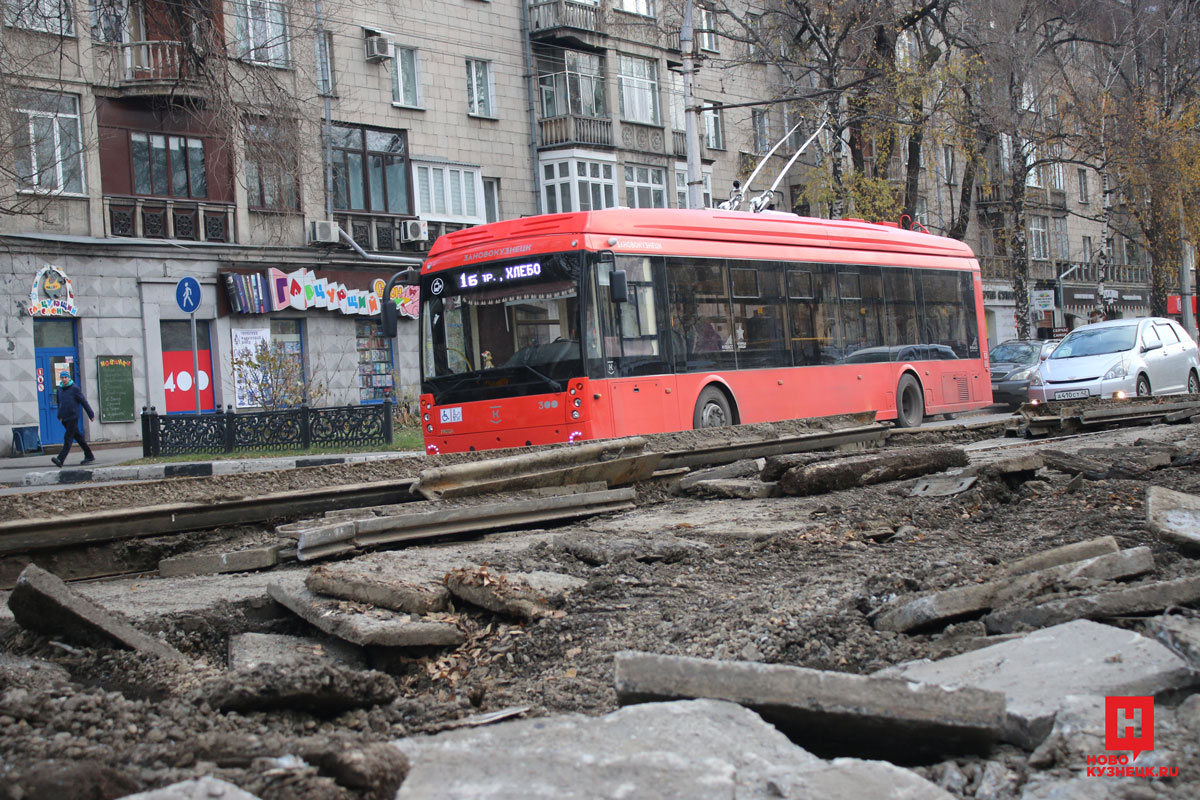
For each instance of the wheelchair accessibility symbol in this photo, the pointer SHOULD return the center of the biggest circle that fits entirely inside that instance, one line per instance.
(437, 286)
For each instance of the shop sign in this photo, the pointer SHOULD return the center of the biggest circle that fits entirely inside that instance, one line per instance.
(1000, 295)
(52, 295)
(406, 298)
(1042, 299)
(1175, 306)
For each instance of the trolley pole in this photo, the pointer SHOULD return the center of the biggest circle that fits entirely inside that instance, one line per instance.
(695, 197)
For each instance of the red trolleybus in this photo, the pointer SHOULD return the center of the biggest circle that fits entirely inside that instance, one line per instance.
(608, 323)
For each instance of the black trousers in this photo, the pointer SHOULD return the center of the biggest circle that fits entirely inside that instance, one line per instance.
(73, 434)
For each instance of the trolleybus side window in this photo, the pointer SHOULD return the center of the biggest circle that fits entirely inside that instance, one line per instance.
(813, 313)
(631, 330)
(903, 314)
(943, 322)
(758, 311)
(860, 290)
(698, 293)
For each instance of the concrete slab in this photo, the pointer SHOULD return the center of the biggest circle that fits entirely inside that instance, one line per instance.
(1036, 672)
(1145, 598)
(734, 488)
(1079, 551)
(42, 602)
(529, 595)
(654, 751)
(324, 690)
(206, 788)
(416, 589)
(908, 613)
(219, 563)
(846, 473)
(829, 713)
(252, 650)
(1180, 635)
(381, 628)
(1175, 516)
(738, 469)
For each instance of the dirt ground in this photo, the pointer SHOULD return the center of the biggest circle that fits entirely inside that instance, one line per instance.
(785, 580)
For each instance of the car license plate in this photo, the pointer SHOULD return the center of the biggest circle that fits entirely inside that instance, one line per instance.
(1071, 395)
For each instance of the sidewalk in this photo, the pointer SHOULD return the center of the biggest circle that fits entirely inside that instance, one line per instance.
(111, 465)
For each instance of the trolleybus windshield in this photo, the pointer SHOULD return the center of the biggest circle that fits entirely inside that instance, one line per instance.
(501, 329)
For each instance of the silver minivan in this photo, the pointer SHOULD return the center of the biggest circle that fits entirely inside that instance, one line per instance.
(1119, 358)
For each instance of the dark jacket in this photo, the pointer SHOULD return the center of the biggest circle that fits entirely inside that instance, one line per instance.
(70, 400)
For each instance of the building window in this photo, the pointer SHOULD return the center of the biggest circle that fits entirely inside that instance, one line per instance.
(110, 20)
(638, 89)
(370, 170)
(1083, 185)
(47, 144)
(479, 88)
(792, 119)
(406, 80)
(168, 166)
(448, 192)
(578, 184)
(571, 83)
(1039, 247)
(1058, 177)
(754, 35)
(706, 30)
(714, 128)
(47, 16)
(948, 163)
(270, 168)
(1061, 247)
(761, 124)
(681, 187)
(262, 36)
(645, 187)
(326, 79)
(491, 199)
(643, 7)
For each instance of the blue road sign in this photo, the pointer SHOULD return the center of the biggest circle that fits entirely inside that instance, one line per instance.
(187, 294)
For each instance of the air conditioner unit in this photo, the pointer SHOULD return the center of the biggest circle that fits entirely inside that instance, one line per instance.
(323, 231)
(414, 230)
(378, 48)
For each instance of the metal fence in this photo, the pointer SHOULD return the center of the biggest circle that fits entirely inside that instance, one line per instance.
(293, 429)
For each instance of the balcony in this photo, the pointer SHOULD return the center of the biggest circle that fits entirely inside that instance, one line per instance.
(646, 138)
(380, 232)
(575, 130)
(566, 18)
(159, 218)
(152, 68)
(990, 194)
(679, 144)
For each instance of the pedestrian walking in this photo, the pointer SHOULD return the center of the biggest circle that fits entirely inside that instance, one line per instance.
(70, 401)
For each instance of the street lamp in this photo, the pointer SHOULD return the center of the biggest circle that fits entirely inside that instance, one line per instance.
(1062, 301)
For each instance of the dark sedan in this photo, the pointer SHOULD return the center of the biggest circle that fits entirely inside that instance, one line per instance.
(1013, 363)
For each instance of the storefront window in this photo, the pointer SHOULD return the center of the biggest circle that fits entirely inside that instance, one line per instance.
(375, 381)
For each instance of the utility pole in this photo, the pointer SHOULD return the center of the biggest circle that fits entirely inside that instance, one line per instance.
(1185, 275)
(695, 197)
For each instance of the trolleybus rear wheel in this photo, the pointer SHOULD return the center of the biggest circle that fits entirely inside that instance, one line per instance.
(712, 409)
(910, 403)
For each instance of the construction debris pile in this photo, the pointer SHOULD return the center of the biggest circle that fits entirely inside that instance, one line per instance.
(907, 621)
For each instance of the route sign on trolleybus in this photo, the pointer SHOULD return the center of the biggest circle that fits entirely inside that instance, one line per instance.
(628, 321)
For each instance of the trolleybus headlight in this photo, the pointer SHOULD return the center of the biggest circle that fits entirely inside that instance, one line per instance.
(578, 402)
(429, 428)
(574, 415)
(573, 391)
(427, 418)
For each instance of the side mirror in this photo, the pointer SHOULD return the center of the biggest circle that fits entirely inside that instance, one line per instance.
(618, 286)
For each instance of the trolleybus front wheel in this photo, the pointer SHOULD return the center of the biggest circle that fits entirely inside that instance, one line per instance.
(910, 403)
(712, 409)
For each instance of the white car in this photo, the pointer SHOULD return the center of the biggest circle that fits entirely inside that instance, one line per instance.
(1119, 358)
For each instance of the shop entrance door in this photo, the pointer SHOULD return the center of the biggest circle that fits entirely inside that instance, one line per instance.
(55, 352)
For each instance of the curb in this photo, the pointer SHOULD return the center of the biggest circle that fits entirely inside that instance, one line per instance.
(204, 469)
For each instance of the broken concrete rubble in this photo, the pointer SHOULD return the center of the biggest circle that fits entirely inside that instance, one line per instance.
(1068, 553)
(734, 489)
(323, 690)
(907, 614)
(43, 603)
(1144, 598)
(1175, 516)
(655, 751)
(1036, 672)
(738, 469)
(529, 595)
(417, 589)
(217, 563)
(1078, 732)
(829, 713)
(253, 650)
(1180, 635)
(845, 473)
(380, 627)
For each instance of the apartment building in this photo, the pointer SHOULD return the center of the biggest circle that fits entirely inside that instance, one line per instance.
(157, 139)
